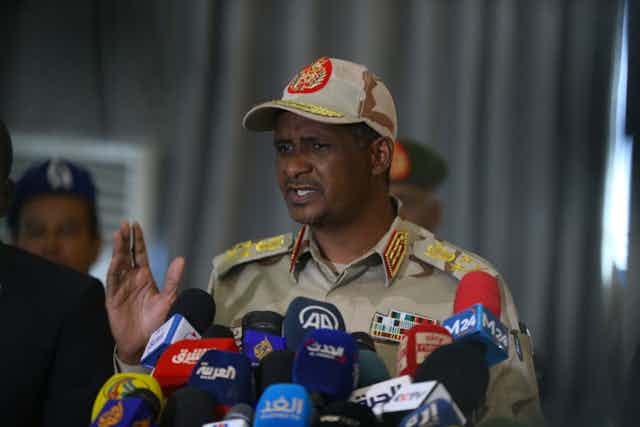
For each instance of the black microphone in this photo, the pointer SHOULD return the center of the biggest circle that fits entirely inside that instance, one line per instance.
(188, 406)
(217, 331)
(274, 368)
(197, 306)
(345, 414)
(461, 367)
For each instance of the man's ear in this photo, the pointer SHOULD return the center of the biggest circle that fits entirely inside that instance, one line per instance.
(381, 151)
(7, 195)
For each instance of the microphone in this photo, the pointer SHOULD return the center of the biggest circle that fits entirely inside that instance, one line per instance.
(197, 306)
(226, 376)
(372, 367)
(188, 406)
(477, 313)
(240, 415)
(217, 331)
(327, 364)
(283, 405)
(125, 412)
(120, 385)
(417, 343)
(414, 396)
(461, 367)
(176, 363)
(376, 395)
(274, 368)
(306, 314)
(436, 413)
(346, 414)
(190, 315)
(261, 334)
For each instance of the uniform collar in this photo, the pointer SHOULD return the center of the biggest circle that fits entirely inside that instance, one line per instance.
(391, 250)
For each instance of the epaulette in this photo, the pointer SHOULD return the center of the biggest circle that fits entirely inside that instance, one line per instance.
(450, 258)
(251, 251)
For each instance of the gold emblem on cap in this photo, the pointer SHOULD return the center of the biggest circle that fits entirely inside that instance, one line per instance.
(312, 77)
(395, 251)
(309, 108)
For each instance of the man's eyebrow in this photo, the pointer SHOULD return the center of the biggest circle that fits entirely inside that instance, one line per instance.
(277, 141)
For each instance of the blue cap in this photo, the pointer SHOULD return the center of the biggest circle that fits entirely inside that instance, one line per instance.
(54, 176)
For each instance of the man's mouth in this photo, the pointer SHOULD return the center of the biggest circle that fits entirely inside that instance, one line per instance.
(301, 195)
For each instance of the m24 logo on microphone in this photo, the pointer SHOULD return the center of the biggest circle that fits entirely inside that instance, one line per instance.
(477, 319)
(318, 317)
(207, 372)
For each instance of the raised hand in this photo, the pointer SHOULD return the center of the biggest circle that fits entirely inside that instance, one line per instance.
(135, 306)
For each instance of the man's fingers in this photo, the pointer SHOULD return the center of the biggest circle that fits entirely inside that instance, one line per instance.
(140, 251)
(116, 266)
(174, 275)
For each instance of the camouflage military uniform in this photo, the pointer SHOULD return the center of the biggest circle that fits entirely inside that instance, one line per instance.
(408, 270)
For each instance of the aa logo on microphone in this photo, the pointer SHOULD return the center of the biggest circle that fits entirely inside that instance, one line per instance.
(318, 317)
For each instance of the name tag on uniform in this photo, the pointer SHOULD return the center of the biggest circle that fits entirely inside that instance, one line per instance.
(391, 326)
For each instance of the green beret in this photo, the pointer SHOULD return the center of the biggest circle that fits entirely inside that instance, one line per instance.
(418, 164)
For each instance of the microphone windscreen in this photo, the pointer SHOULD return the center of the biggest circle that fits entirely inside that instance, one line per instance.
(217, 331)
(439, 412)
(283, 405)
(256, 344)
(461, 367)
(240, 411)
(372, 369)
(274, 368)
(327, 363)
(269, 322)
(196, 306)
(304, 315)
(225, 375)
(188, 406)
(346, 414)
(176, 328)
(150, 399)
(478, 287)
(124, 412)
(119, 385)
(417, 343)
(364, 341)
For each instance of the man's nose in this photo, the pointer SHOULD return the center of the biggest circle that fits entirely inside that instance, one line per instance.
(297, 164)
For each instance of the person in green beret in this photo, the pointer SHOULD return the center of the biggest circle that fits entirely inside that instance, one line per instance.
(416, 173)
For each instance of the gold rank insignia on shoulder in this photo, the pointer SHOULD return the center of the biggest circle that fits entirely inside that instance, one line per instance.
(391, 326)
(447, 257)
(249, 251)
(395, 252)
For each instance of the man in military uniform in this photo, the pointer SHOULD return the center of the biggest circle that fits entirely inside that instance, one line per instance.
(54, 214)
(416, 173)
(334, 132)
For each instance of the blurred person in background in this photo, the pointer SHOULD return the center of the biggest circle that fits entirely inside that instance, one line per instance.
(56, 346)
(416, 173)
(54, 214)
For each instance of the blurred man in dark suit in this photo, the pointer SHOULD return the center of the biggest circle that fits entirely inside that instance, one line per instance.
(56, 345)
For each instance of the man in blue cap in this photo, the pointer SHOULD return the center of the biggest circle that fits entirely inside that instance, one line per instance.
(54, 214)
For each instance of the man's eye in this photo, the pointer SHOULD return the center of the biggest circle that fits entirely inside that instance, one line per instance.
(320, 147)
(284, 148)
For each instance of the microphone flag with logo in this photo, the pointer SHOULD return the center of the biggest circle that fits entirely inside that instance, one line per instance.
(417, 343)
(120, 385)
(225, 375)
(477, 316)
(283, 405)
(261, 334)
(306, 314)
(126, 412)
(327, 364)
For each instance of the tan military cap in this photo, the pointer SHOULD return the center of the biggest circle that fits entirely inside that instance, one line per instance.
(331, 91)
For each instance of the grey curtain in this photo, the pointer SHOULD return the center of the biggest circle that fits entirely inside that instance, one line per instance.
(515, 94)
